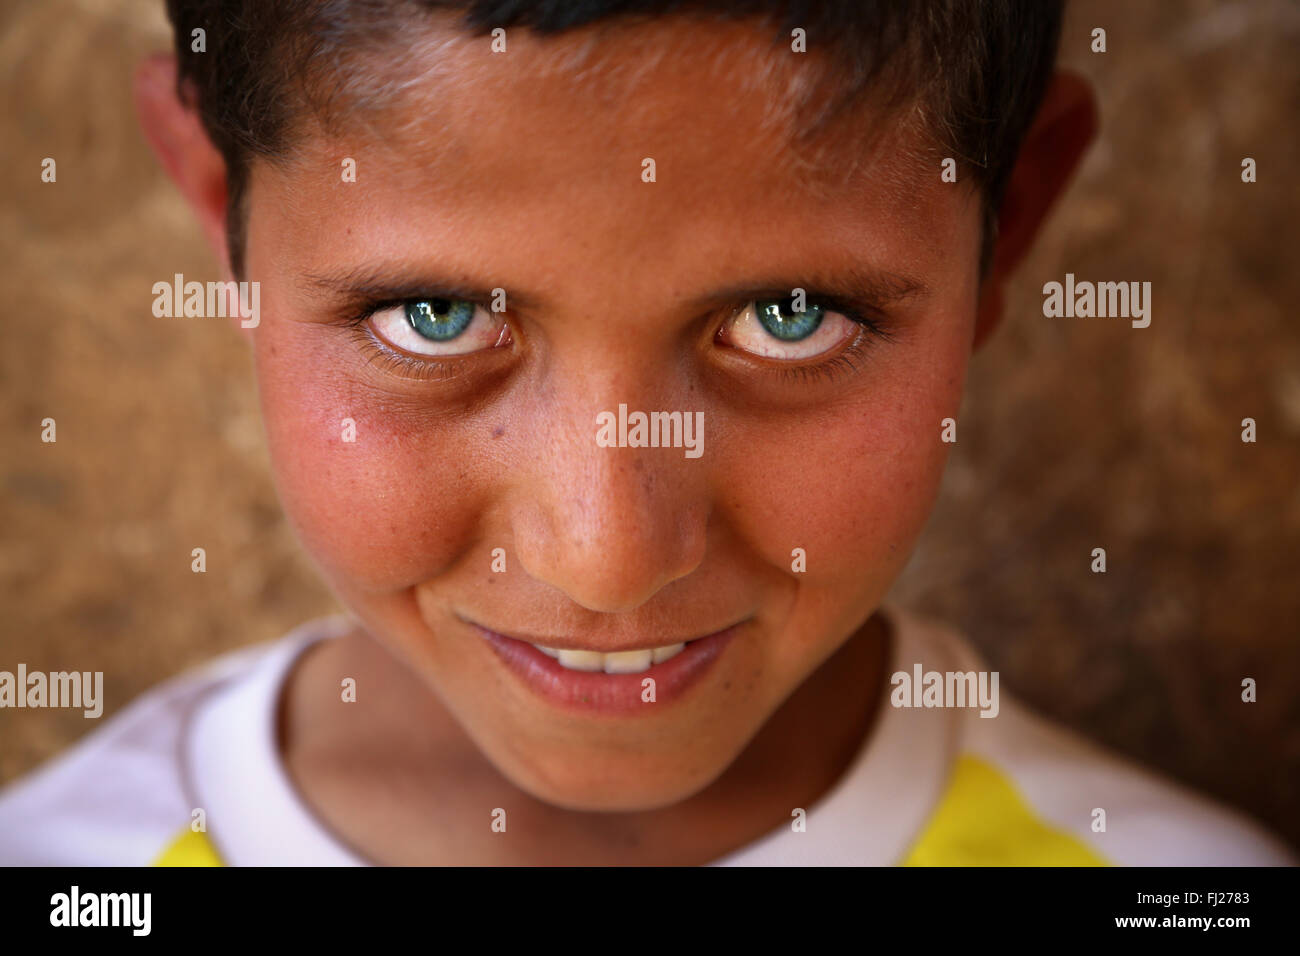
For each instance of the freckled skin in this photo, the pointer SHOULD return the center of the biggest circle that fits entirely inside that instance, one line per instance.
(544, 196)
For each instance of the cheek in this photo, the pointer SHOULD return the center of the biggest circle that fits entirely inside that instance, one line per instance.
(854, 485)
(383, 511)
(853, 497)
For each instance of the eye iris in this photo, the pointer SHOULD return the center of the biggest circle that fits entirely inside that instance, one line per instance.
(779, 318)
(439, 319)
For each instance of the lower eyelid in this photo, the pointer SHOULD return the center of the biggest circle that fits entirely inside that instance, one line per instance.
(841, 361)
(390, 361)
(394, 362)
(846, 361)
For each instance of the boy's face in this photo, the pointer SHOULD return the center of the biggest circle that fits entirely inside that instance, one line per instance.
(506, 171)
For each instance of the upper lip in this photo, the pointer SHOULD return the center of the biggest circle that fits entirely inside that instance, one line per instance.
(599, 646)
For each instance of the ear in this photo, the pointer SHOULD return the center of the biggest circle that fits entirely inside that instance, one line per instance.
(1053, 147)
(181, 144)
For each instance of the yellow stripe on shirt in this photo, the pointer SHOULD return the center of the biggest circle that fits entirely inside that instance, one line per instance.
(190, 848)
(983, 821)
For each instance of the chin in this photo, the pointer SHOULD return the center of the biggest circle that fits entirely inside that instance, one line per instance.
(623, 785)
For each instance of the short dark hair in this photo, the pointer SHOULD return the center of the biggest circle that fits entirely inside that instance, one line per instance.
(981, 66)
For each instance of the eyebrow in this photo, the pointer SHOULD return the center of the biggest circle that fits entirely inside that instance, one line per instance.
(391, 284)
(852, 280)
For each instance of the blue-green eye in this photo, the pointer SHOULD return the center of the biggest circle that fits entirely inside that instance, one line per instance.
(440, 327)
(439, 319)
(779, 318)
(774, 329)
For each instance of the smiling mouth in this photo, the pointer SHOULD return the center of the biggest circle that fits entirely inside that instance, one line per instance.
(609, 682)
(587, 660)
(614, 662)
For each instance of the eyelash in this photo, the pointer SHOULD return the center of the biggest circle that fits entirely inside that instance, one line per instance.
(389, 360)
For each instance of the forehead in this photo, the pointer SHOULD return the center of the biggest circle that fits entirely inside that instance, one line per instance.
(560, 131)
(642, 74)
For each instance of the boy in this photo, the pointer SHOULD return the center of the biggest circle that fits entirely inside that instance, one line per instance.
(604, 354)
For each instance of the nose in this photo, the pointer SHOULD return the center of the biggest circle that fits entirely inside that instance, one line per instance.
(608, 526)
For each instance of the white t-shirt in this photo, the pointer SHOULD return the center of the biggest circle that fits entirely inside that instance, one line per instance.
(931, 785)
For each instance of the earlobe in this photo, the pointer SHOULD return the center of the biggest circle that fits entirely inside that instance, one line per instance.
(180, 142)
(1053, 147)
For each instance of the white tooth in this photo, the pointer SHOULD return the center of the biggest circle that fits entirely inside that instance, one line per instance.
(582, 660)
(662, 654)
(627, 662)
(549, 651)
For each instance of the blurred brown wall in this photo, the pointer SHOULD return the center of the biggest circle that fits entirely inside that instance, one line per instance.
(1075, 433)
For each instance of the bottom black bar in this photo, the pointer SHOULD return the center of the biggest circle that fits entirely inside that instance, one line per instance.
(657, 906)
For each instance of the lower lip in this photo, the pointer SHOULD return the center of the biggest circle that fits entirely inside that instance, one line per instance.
(593, 692)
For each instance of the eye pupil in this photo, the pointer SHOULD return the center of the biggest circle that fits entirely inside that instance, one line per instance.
(779, 318)
(439, 319)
